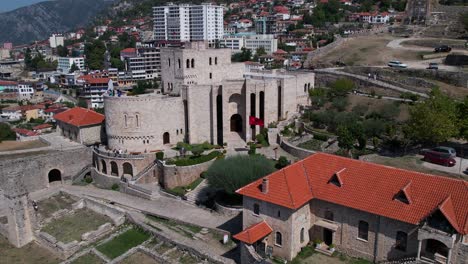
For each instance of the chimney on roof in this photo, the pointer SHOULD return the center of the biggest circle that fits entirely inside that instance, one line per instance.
(265, 185)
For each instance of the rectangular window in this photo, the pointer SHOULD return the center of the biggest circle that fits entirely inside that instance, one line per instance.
(211, 75)
(363, 232)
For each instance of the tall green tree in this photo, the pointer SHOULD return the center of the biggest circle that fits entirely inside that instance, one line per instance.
(62, 51)
(6, 133)
(434, 120)
(463, 118)
(74, 68)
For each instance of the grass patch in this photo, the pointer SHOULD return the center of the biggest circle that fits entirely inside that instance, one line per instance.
(175, 254)
(123, 242)
(54, 203)
(71, 227)
(188, 259)
(89, 258)
(32, 253)
(182, 190)
(140, 258)
(193, 160)
(312, 144)
(305, 253)
(176, 226)
(163, 248)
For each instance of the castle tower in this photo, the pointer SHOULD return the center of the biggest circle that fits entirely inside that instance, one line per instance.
(16, 196)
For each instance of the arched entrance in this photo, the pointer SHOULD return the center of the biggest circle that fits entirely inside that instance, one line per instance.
(114, 169)
(103, 167)
(435, 250)
(166, 138)
(55, 175)
(127, 169)
(236, 123)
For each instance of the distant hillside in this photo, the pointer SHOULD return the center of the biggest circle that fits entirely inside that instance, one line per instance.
(38, 21)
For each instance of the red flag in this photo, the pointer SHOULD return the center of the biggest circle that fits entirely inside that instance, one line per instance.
(253, 121)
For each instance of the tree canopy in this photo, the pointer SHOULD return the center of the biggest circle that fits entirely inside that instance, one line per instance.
(234, 172)
(6, 133)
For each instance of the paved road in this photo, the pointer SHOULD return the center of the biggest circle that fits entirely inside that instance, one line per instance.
(457, 169)
(372, 81)
(162, 206)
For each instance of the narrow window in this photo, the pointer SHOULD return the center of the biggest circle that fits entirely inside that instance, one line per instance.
(126, 124)
(305, 87)
(169, 62)
(256, 209)
(363, 232)
(193, 63)
(401, 240)
(216, 60)
(278, 239)
(178, 62)
(210, 61)
(187, 63)
(137, 121)
(279, 213)
(211, 75)
(302, 235)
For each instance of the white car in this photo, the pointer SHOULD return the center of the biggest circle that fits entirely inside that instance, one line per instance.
(397, 64)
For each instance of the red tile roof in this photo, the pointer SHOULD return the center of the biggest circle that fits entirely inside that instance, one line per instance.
(79, 117)
(25, 132)
(254, 233)
(42, 126)
(94, 79)
(367, 187)
(128, 50)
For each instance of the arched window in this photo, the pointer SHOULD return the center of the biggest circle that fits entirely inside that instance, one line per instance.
(256, 209)
(166, 138)
(216, 60)
(302, 235)
(178, 62)
(187, 63)
(127, 169)
(193, 63)
(401, 240)
(305, 87)
(363, 232)
(210, 61)
(308, 86)
(278, 239)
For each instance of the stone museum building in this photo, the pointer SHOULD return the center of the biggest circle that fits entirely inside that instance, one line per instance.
(362, 209)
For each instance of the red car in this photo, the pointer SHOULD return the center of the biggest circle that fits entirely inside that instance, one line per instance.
(439, 158)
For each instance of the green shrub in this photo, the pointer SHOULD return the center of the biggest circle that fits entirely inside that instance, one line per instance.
(197, 150)
(321, 137)
(282, 162)
(115, 187)
(193, 160)
(234, 172)
(252, 149)
(261, 140)
(88, 179)
(184, 145)
(160, 155)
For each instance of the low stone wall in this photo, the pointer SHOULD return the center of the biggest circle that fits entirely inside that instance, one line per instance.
(116, 214)
(226, 210)
(204, 255)
(174, 176)
(96, 234)
(102, 180)
(63, 250)
(135, 190)
(4, 230)
(294, 150)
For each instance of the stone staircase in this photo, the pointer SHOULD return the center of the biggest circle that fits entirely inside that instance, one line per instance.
(200, 193)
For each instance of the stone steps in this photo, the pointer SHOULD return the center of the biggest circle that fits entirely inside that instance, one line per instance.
(200, 191)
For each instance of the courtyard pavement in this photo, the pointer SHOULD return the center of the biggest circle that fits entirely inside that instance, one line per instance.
(161, 206)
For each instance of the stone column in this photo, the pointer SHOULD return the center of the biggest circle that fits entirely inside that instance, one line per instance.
(419, 249)
(449, 256)
(16, 196)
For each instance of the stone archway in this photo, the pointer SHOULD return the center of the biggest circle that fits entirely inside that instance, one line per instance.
(434, 249)
(127, 169)
(55, 175)
(103, 167)
(236, 123)
(114, 169)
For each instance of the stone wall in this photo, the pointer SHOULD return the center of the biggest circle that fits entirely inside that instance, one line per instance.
(249, 256)
(116, 214)
(84, 135)
(323, 50)
(63, 250)
(103, 180)
(173, 176)
(35, 168)
(294, 150)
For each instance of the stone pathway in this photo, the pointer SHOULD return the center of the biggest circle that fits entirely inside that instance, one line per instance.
(199, 193)
(162, 206)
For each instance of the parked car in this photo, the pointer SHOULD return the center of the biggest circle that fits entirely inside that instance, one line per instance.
(433, 66)
(446, 150)
(397, 64)
(439, 158)
(443, 48)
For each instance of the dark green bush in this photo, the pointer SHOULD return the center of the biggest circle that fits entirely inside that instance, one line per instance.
(160, 155)
(193, 160)
(197, 150)
(88, 179)
(115, 187)
(252, 149)
(320, 136)
(282, 162)
(234, 172)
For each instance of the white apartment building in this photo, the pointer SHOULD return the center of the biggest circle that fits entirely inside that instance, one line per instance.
(25, 92)
(56, 40)
(250, 42)
(65, 63)
(188, 22)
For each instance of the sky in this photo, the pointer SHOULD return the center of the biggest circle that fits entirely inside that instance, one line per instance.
(8, 5)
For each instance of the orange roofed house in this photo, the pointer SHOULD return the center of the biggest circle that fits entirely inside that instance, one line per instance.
(81, 125)
(365, 210)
